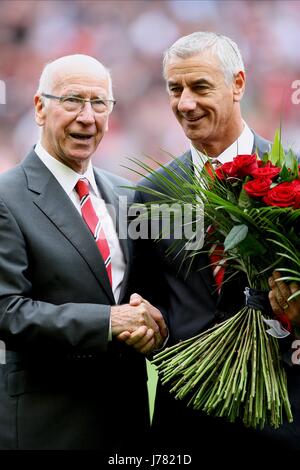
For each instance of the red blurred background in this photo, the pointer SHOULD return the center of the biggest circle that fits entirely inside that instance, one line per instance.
(129, 37)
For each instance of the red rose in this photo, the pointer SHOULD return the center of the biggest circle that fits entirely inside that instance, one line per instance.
(296, 189)
(266, 172)
(297, 201)
(226, 170)
(258, 187)
(245, 164)
(267, 164)
(296, 185)
(282, 195)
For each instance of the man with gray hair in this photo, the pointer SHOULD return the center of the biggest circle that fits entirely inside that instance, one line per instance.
(205, 79)
(65, 282)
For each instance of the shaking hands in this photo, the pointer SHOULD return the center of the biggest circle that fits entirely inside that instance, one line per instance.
(139, 324)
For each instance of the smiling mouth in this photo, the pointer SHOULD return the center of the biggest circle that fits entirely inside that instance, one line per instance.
(82, 137)
(194, 119)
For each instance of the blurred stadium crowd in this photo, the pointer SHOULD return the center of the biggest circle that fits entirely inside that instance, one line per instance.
(129, 36)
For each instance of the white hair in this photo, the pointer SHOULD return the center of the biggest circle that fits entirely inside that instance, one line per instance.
(223, 47)
(77, 62)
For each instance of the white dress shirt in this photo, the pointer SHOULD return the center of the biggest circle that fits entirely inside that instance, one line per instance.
(68, 178)
(242, 146)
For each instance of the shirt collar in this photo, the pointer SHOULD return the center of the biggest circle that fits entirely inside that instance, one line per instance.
(242, 146)
(66, 177)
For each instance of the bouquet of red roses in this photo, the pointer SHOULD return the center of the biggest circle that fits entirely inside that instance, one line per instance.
(234, 369)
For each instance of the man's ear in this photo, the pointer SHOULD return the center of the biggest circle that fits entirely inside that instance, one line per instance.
(239, 83)
(40, 111)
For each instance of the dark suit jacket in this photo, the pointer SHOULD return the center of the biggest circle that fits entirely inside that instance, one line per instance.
(191, 305)
(64, 385)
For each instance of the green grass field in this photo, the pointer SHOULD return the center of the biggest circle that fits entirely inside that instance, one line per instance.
(152, 380)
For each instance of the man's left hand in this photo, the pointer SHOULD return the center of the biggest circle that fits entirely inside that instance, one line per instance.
(278, 296)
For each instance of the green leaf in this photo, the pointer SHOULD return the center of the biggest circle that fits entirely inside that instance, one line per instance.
(289, 160)
(294, 164)
(277, 155)
(265, 157)
(250, 246)
(284, 175)
(245, 202)
(237, 234)
(290, 169)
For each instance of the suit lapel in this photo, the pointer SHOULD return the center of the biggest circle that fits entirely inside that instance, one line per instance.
(52, 200)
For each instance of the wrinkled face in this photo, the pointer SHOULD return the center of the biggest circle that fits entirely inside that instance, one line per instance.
(72, 137)
(204, 104)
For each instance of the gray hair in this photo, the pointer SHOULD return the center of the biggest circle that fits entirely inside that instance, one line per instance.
(85, 62)
(223, 47)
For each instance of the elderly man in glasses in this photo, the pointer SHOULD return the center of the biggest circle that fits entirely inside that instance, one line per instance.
(64, 282)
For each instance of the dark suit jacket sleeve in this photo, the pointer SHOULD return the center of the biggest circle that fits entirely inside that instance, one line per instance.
(28, 323)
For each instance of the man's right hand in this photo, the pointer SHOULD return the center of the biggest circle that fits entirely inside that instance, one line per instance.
(139, 324)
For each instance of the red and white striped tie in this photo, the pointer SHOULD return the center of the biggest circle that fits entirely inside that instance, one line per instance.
(93, 222)
(217, 261)
(216, 251)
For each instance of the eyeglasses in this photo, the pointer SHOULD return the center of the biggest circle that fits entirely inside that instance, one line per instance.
(75, 104)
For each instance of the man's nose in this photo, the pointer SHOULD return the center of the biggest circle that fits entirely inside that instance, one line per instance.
(187, 102)
(86, 115)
